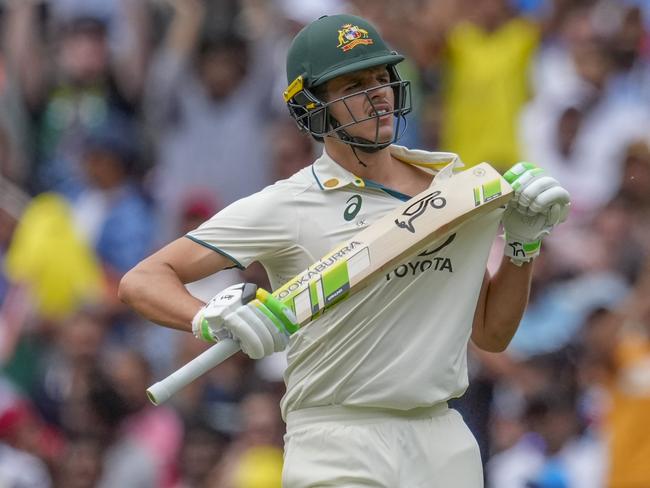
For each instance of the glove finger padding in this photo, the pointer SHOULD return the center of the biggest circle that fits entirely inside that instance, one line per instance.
(520, 176)
(552, 196)
(553, 214)
(564, 211)
(557, 214)
(535, 187)
(257, 333)
(254, 338)
(272, 324)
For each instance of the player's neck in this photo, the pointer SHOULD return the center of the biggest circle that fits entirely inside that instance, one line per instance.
(367, 165)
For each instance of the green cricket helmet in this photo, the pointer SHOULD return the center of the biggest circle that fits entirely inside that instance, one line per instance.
(333, 46)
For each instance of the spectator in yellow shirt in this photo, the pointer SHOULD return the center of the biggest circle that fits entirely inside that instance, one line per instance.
(486, 50)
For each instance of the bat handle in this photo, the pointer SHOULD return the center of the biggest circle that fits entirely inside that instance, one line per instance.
(164, 389)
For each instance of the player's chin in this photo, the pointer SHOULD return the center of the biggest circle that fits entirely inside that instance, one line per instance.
(380, 131)
(385, 134)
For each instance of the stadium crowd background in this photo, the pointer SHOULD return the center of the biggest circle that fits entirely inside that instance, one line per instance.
(125, 123)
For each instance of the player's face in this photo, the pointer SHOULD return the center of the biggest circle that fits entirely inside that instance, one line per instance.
(360, 98)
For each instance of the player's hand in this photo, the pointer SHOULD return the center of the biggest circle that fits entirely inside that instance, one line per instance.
(208, 323)
(236, 313)
(539, 204)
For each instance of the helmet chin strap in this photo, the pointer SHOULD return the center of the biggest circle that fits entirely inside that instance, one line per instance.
(354, 151)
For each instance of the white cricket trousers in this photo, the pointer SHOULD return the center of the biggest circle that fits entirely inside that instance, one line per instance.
(358, 447)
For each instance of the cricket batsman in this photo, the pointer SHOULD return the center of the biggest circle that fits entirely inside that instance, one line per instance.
(367, 382)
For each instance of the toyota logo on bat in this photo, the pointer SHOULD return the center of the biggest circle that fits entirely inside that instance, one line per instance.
(418, 208)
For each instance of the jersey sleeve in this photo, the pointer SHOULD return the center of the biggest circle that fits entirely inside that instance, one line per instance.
(255, 228)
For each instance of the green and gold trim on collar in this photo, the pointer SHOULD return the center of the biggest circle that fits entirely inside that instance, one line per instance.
(329, 175)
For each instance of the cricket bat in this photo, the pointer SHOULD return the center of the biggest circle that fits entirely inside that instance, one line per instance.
(449, 202)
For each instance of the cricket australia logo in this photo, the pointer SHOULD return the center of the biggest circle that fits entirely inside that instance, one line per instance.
(351, 36)
(418, 208)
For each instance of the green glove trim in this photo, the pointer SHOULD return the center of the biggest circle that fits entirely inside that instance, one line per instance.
(521, 252)
(513, 174)
(532, 247)
(278, 310)
(271, 316)
(205, 331)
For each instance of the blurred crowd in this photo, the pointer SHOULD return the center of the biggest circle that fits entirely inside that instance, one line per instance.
(126, 123)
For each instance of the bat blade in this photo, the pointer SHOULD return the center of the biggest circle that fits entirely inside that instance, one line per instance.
(431, 215)
(438, 211)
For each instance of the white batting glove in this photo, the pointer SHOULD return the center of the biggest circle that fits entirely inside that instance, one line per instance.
(237, 314)
(539, 204)
(208, 322)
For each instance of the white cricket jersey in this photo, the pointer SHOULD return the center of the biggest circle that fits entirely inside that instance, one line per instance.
(399, 343)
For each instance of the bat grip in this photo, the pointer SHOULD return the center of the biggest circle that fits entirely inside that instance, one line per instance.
(161, 391)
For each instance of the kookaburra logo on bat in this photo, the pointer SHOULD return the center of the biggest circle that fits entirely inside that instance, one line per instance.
(418, 208)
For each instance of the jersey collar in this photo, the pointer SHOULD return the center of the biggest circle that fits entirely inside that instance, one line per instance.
(330, 175)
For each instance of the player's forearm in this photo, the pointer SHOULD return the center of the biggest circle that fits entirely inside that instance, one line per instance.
(503, 307)
(157, 294)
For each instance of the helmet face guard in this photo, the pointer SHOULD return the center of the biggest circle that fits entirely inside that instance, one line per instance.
(312, 114)
(334, 46)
